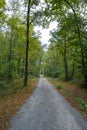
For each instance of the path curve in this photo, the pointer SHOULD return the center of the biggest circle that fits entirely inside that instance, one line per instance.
(47, 110)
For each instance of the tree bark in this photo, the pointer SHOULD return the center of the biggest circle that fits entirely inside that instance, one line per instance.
(10, 57)
(65, 62)
(65, 58)
(27, 44)
(18, 66)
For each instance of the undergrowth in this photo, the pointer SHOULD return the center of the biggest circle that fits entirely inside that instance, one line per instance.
(59, 86)
(12, 98)
(82, 103)
(13, 87)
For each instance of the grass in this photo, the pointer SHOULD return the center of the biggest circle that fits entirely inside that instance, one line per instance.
(12, 98)
(50, 79)
(57, 84)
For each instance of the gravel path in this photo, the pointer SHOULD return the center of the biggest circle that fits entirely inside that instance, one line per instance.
(47, 110)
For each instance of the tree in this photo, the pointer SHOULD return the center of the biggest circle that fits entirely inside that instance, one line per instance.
(27, 43)
(70, 12)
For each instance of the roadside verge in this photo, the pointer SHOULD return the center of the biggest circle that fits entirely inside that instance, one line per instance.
(74, 94)
(11, 103)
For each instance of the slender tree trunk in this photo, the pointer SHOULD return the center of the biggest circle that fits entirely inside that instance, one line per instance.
(27, 44)
(65, 64)
(65, 59)
(18, 66)
(72, 74)
(10, 57)
(83, 66)
(73, 66)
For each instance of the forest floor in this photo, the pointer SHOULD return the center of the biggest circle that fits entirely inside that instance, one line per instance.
(12, 100)
(75, 94)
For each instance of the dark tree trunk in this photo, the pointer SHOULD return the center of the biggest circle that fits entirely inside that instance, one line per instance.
(66, 67)
(73, 67)
(27, 44)
(10, 58)
(65, 59)
(83, 66)
(18, 66)
(72, 74)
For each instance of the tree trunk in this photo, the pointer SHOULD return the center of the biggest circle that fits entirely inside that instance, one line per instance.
(27, 44)
(72, 74)
(83, 66)
(18, 66)
(10, 57)
(65, 60)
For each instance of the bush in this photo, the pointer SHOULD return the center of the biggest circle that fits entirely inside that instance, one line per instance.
(82, 103)
(59, 86)
(2, 85)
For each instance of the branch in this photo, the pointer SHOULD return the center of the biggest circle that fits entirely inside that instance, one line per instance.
(11, 9)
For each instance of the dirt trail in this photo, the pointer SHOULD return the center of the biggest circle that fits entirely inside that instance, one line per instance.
(47, 110)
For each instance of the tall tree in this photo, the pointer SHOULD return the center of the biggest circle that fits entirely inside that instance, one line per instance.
(27, 43)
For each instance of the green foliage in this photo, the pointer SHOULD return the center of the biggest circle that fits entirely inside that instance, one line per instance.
(67, 53)
(15, 86)
(12, 42)
(51, 79)
(2, 85)
(82, 103)
(66, 56)
(10, 88)
(59, 86)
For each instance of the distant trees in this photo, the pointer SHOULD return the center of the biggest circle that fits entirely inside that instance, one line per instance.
(68, 40)
(12, 43)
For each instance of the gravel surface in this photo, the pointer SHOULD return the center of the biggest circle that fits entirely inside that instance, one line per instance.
(47, 110)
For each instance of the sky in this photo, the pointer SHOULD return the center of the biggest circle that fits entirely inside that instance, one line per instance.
(45, 33)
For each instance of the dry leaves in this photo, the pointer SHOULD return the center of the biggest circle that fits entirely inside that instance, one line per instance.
(12, 103)
(71, 92)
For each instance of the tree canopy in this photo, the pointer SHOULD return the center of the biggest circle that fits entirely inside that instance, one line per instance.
(21, 52)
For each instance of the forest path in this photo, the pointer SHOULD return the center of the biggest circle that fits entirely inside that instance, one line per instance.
(47, 110)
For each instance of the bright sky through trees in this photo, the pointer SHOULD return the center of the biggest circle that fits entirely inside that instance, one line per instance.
(45, 33)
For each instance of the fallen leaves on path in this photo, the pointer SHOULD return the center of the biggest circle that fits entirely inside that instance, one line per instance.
(10, 105)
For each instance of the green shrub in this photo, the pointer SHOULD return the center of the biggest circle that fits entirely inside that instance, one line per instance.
(82, 103)
(2, 85)
(50, 79)
(59, 86)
